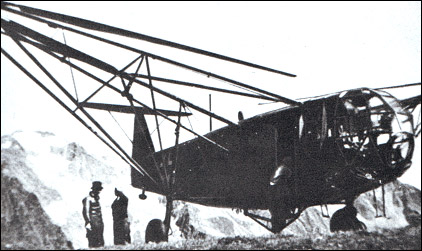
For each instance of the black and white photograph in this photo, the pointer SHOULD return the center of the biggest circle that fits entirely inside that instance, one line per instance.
(210, 125)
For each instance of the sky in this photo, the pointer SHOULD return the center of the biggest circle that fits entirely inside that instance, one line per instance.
(330, 46)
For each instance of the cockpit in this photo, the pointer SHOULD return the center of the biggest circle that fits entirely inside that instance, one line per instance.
(369, 122)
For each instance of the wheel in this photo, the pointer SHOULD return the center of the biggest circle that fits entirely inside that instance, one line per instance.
(155, 231)
(345, 220)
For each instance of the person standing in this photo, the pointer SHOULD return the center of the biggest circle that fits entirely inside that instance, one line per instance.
(92, 215)
(121, 226)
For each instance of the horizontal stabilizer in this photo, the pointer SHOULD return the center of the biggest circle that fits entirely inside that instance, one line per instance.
(130, 109)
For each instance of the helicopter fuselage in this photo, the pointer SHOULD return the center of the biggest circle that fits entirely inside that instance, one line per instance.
(331, 149)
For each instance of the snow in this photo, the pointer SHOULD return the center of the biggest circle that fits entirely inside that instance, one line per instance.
(6, 144)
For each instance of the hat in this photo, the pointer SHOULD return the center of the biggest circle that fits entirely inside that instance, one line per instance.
(96, 186)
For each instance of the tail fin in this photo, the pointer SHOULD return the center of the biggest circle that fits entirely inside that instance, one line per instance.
(143, 153)
(143, 149)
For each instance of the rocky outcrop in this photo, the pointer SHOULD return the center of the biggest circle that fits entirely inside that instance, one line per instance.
(24, 223)
(402, 206)
(183, 222)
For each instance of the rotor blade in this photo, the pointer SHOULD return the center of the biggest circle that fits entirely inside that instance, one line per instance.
(122, 32)
(163, 59)
(397, 86)
(58, 47)
(67, 51)
(177, 82)
(129, 109)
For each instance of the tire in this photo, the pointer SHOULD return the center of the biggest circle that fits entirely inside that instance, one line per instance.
(345, 220)
(155, 232)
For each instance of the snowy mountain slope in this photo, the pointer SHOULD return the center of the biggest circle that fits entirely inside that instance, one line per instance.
(60, 174)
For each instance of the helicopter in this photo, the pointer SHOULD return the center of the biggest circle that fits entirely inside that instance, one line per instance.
(323, 150)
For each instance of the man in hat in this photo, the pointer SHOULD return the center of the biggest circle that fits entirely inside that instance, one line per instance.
(121, 226)
(92, 215)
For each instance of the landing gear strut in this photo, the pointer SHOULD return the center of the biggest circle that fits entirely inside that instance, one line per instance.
(157, 230)
(279, 219)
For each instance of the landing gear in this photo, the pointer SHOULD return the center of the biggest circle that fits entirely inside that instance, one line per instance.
(283, 216)
(345, 220)
(155, 231)
(278, 220)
